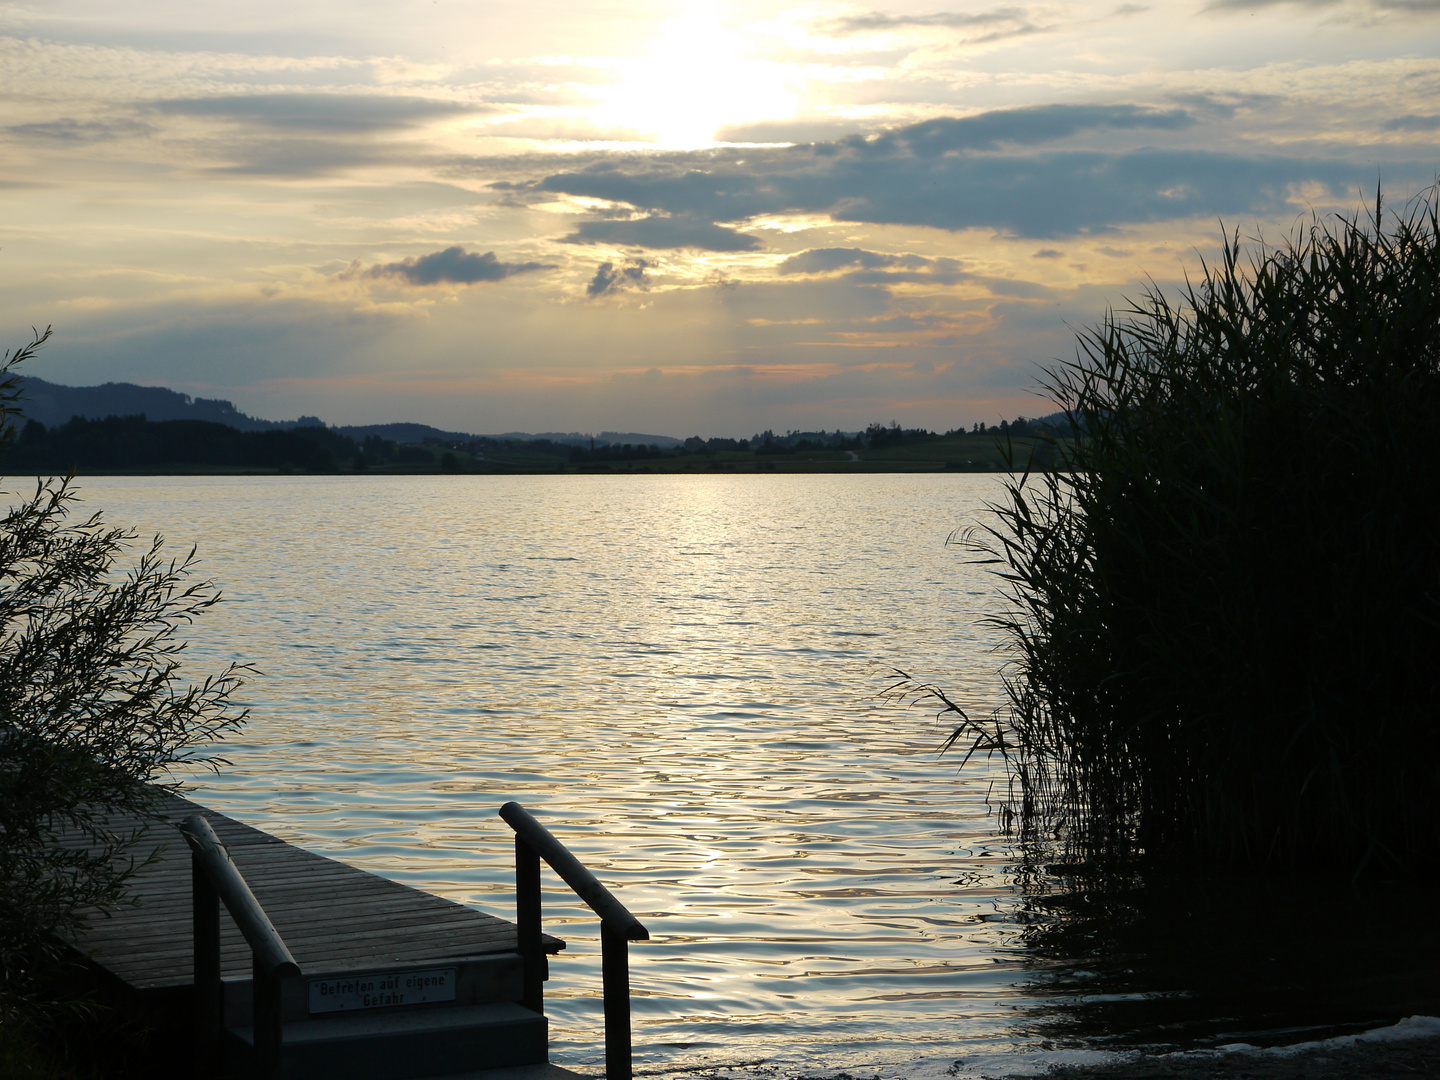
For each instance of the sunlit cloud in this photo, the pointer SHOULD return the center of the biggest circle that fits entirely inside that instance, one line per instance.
(1419, 7)
(824, 260)
(841, 29)
(981, 27)
(862, 267)
(325, 113)
(782, 209)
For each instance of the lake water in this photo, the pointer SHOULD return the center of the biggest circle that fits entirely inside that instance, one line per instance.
(680, 675)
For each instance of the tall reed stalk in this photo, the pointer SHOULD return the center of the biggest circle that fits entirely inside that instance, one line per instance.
(1225, 607)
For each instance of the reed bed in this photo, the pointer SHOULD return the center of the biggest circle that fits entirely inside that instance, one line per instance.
(1224, 607)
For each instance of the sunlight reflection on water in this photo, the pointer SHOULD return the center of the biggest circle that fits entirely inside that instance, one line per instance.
(678, 675)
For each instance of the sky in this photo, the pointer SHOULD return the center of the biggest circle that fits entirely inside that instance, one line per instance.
(657, 215)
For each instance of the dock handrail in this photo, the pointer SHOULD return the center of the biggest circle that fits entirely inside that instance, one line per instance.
(216, 879)
(618, 928)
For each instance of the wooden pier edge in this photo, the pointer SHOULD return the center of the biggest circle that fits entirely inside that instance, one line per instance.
(337, 920)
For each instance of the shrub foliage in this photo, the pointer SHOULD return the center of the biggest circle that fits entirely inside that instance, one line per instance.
(94, 715)
(1226, 608)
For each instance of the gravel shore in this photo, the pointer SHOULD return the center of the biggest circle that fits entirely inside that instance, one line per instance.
(1409, 1049)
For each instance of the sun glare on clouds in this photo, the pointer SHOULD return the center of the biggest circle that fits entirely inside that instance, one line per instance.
(964, 182)
(695, 79)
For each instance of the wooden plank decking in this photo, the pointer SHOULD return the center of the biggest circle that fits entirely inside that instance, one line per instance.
(333, 917)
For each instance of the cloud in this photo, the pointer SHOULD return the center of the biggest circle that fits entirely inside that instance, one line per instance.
(79, 131)
(823, 260)
(1026, 127)
(610, 278)
(663, 231)
(306, 134)
(929, 173)
(1413, 122)
(1073, 192)
(1413, 6)
(1040, 195)
(336, 114)
(862, 267)
(983, 27)
(1224, 105)
(788, 131)
(455, 266)
(299, 157)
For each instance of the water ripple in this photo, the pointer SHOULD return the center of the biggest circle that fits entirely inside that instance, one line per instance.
(683, 689)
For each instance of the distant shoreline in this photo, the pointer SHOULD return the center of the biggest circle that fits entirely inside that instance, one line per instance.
(134, 445)
(611, 469)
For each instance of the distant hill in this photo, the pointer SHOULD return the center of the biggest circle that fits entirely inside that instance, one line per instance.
(404, 433)
(52, 404)
(605, 438)
(419, 433)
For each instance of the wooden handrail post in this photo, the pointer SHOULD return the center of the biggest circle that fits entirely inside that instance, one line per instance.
(266, 1021)
(209, 990)
(527, 923)
(615, 983)
(216, 876)
(249, 916)
(585, 884)
(618, 928)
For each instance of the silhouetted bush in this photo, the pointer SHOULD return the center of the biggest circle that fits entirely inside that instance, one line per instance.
(93, 716)
(1226, 613)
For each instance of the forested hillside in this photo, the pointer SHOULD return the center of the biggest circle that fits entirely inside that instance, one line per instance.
(133, 443)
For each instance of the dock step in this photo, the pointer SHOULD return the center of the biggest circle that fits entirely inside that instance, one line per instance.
(406, 1045)
(520, 1072)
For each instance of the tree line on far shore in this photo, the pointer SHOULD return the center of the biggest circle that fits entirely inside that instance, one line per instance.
(133, 442)
(137, 444)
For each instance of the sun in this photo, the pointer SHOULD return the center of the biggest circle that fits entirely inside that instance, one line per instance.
(695, 79)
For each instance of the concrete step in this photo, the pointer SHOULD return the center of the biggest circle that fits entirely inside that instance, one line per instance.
(476, 980)
(545, 1071)
(406, 1045)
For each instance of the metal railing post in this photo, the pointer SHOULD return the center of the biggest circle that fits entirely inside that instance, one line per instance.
(209, 990)
(527, 923)
(615, 981)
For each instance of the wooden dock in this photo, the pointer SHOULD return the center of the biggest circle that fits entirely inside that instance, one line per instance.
(362, 943)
